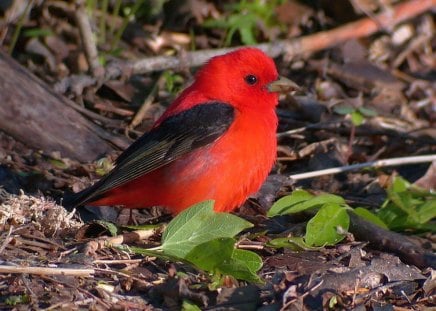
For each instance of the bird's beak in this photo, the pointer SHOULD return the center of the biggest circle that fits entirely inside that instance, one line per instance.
(283, 85)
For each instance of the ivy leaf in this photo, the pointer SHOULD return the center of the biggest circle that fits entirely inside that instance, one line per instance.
(197, 225)
(294, 243)
(209, 255)
(242, 265)
(367, 215)
(322, 229)
(286, 204)
(301, 200)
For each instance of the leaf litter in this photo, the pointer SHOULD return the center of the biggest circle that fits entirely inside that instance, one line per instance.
(389, 74)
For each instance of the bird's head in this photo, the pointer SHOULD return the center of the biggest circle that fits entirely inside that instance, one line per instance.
(244, 78)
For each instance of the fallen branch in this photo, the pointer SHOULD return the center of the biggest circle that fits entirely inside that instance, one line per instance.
(378, 163)
(46, 271)
(32, 113)
(296, 46)
(390, 241)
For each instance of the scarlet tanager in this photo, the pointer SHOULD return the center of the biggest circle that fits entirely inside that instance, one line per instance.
(217, 141)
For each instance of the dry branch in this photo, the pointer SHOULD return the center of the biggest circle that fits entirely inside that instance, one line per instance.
(33, 113)
(390, 241)
(378, 163)
(296, 46)
(46, 271)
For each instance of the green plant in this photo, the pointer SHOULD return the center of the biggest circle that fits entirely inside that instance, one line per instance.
(358, 115)
(173, 81)
(17, 299)
(206, 239)
(329, 224)
(244, 18)
(107, 32)
(408, 207)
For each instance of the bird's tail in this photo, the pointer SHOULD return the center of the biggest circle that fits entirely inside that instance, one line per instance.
(72, 200)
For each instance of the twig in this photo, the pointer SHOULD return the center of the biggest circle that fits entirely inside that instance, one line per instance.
(378, 163)
(139, 116)
(7, 239)
(46, 271)
(129, 237)
(20, 23)
(117, 261)
(296, 46)
(247, 244)
(88, 40)
(78, 288)
(119, 273)
(389, 241)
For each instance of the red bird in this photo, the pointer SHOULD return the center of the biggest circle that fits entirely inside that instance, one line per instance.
(217, 141)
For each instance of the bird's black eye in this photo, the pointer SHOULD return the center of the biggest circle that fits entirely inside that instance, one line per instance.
(251, 79)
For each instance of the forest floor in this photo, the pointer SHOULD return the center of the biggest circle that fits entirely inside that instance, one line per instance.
(368, 93)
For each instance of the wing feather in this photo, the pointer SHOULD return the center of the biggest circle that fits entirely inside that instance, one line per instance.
(175, 137)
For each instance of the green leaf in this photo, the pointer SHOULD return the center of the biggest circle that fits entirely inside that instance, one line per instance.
(371, 217)
(427, 211)
(322, 229)
(17, 299)
(149, 252)
(143, 227)
(301, 200)
(112, 228)
(251, 259)
(209, 255)
(393, 217)
(246, 26)
(37, 32)
(215, 23)
(404, 201)
(242, 265)
(293, 243)
(408, 207)
(357, 118)
(367, 112)
(284, 205)
(399, 185)
(189, 306)
(103, 166)
(343, 110)
(58, 163)
(197, 225)
(220, 256)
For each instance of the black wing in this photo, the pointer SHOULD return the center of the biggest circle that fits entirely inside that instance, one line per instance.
(174, 137)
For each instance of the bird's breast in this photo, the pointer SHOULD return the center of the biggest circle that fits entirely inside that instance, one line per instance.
(234, 166)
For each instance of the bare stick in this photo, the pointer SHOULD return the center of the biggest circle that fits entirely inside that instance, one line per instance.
(139, 116)
(88, 39)
(7, 239)
(361, 28)
(378, 163)
(46, 271)
(386, 240)
(117, 261)
(296, 46)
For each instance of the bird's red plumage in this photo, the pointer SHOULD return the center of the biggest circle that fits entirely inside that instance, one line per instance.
(232, 167)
